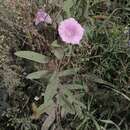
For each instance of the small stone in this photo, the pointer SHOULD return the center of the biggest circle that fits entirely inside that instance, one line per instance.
(36, 98)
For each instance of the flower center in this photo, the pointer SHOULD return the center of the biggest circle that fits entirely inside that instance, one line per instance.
(71, 31)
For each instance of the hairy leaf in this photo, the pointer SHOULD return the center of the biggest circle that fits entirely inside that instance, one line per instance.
(68, 72)
(43, 108)
(58, 52)
(74, 86)
(48, 122)
(52, 87)
(30, 55)
(66, 104)
(37, 75)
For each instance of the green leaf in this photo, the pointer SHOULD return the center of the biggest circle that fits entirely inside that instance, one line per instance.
(67, 6)
(59, 19)
(72, 98)
(78, 110)
(95, 122)
(30, 55)
(74, 86)
(89, 32)
(66, 104)
(52, 87)
(37, 75)
(128, 53)
(127, 9)
(55, 44)
(110, 122)
(106, 85)
(58, 52)
(43, 108)
(68, 72)
(49, 121)
(83, 123)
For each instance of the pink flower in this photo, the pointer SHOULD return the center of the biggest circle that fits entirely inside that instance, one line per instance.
(42, 16)
(70, 31)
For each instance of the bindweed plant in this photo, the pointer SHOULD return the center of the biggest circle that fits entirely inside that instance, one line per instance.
(58, 96)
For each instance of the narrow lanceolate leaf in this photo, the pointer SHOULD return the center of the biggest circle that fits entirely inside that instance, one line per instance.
(52, 87)
(68, 72)
(74, 86)
(95, 122)
(49, 121)
(110, 122)
(58, 52)
(107, 85)
(30, 55)
(43, 108)
(37, 75)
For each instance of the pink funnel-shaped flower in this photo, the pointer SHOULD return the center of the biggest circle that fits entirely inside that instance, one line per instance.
(42, 16)
(70, 31)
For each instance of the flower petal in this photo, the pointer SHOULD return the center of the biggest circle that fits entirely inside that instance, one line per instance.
(42, 16)
(70, 31)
